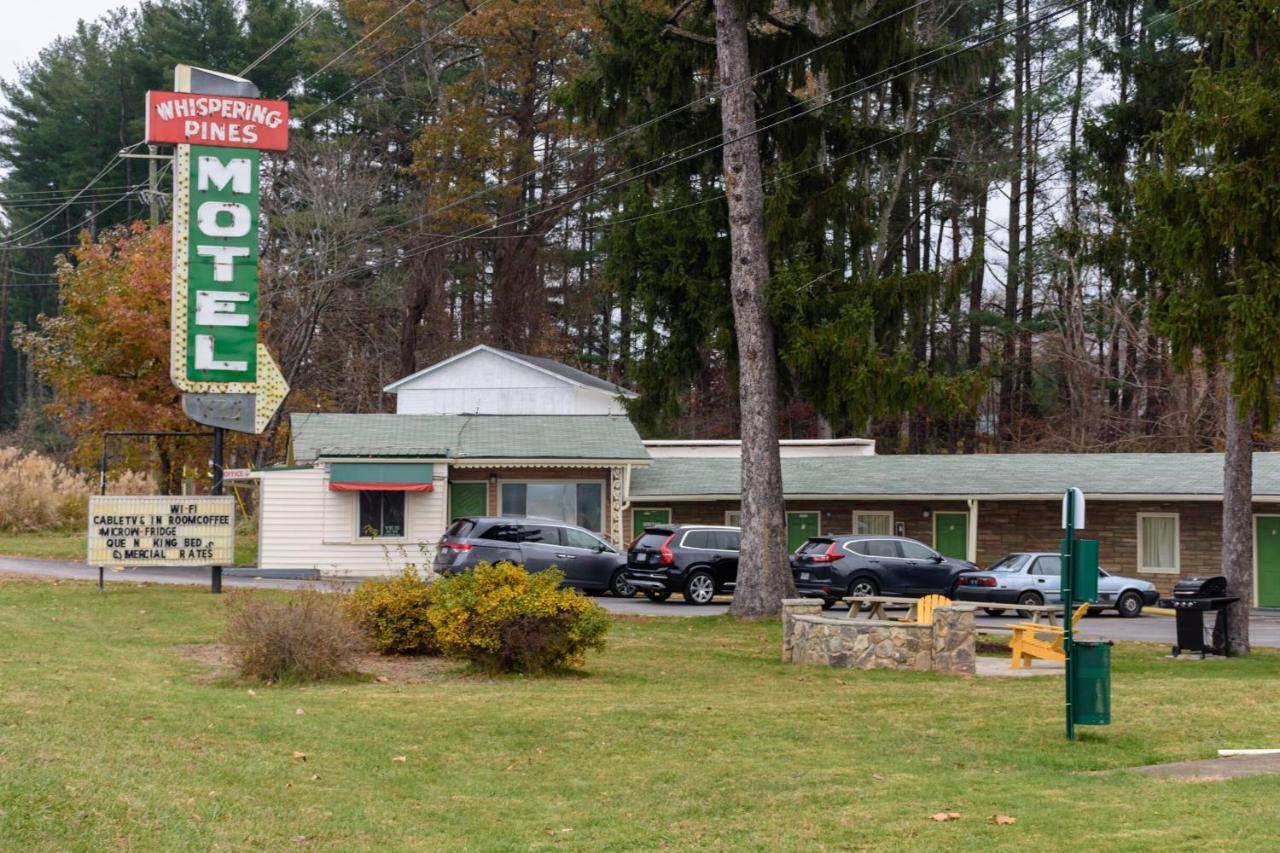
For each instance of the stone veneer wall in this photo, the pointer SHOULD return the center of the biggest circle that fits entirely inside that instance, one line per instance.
(946, 646)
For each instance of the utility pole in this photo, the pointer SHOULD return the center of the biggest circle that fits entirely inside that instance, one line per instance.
(764, 573)
(153, 187)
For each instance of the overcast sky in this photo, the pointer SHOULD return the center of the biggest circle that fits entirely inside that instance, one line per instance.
(31, 24)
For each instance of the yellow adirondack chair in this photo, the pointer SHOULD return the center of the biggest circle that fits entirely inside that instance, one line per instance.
(924, 609)
(1033, 640)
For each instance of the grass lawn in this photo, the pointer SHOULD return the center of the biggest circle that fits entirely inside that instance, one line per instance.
(70, 545)
(684, 733)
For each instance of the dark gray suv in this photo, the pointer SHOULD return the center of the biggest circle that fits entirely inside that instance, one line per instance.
(588, 562)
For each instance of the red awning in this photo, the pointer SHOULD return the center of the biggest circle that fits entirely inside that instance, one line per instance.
(381, 487)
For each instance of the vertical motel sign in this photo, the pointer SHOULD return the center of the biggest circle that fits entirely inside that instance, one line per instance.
(230, 379)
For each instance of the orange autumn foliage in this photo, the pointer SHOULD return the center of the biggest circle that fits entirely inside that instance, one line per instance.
(106, 355)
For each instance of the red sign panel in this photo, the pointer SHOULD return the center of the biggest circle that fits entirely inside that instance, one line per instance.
(178, 117)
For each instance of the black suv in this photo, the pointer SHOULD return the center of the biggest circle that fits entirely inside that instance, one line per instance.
(588, 562)
(832, 567)
(697, 560)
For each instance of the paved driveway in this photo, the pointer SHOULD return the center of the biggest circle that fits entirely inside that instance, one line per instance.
(1264, 626)
(75, 570)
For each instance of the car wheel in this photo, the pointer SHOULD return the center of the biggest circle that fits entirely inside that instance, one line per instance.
(658, 595)
(619, 587)
(993, 611)
(1032, 599)
(863, 587)
(1129, 605)
(700, 588)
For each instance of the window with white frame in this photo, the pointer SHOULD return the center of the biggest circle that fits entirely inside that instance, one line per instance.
(1158, 542)
(733, 518)
(873, 523)
(381, 514)
(576, 503)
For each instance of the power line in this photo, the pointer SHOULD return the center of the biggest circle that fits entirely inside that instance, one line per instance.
(281, 43)
(408, 53)
(594, 146)
(409, 254)
(366, 37)
(519, 216)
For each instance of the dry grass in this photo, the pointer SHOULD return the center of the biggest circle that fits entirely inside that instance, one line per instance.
(37, 493)
(304, 637)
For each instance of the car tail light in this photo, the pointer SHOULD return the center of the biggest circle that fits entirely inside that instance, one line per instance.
(457, 546)
(980, 581)
(829, 556)
(666, 558)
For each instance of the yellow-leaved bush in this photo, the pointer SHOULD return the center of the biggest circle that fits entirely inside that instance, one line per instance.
(503, 619)
(392, 613)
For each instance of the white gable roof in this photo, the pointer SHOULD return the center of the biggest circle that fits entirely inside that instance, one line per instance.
(561, 373)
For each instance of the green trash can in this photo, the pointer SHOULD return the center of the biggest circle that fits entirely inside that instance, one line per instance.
(1091, 683)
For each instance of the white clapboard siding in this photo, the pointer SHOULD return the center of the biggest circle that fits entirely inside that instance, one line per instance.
(485, 383)
(305, 526)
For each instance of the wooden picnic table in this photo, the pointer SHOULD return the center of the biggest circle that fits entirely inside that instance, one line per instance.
(876, 605)
(1051, 612)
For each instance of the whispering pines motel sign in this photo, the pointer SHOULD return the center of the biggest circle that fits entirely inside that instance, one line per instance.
(215, 356)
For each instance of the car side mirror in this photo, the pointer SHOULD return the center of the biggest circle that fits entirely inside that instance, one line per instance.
(601, 548)
(938, 558)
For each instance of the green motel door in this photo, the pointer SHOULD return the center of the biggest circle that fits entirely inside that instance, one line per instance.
(951, 534)
(467, 500)
(800, 526)
(642, 517)
(1268, 529)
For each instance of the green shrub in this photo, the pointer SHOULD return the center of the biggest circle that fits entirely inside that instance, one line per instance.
(503, 619)
(392, 613)
(305, 637)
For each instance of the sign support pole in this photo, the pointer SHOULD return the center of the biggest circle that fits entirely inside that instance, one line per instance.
(215, 572)
(1068, 575)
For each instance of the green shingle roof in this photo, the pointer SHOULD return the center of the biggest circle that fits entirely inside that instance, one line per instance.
(1174, 474)
(567, 437)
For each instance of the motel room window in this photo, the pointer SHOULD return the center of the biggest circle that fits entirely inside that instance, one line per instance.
(576, 503)
(381, 514)
(1158, 542)
(873, 523)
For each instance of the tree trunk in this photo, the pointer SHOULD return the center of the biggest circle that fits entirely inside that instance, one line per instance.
(1008, 370)
(764, 574)
(1237, 520)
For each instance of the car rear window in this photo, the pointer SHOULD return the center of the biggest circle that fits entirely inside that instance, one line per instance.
(652, 538)
(814, 546)
(461, 527)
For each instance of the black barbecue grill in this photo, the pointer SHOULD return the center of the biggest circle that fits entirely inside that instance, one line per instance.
(1192, 598)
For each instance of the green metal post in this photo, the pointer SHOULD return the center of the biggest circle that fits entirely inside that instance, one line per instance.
(1068, 571)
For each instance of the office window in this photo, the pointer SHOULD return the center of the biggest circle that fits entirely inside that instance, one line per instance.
(576, 503)
(381, 514)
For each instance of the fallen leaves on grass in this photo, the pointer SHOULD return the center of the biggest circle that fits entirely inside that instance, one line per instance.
(944, 816)
(399, 758)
